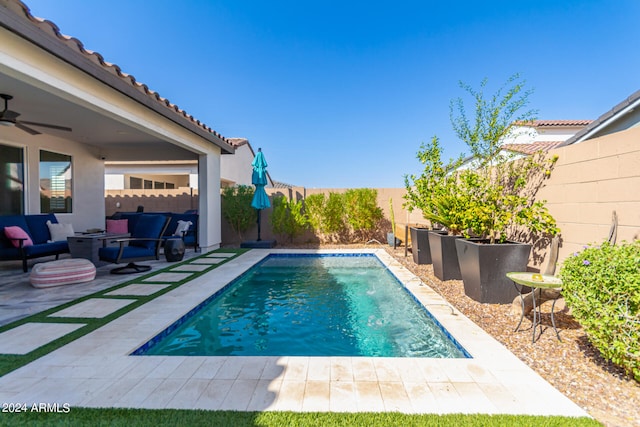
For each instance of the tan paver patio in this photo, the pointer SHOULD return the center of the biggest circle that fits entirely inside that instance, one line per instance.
(97, 371)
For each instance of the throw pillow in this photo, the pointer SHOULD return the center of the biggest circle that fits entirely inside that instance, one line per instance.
(182, 227)
(120, 226)
(59, 232)
(15, 232)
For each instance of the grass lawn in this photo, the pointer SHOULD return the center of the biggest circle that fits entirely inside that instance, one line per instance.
(169, 417)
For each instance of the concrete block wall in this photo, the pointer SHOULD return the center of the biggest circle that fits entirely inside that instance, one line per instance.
(175, 200)
(591, 180)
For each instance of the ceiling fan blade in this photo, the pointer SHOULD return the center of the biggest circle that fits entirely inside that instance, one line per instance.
(9, 116)
(45, 125)
(19, 125)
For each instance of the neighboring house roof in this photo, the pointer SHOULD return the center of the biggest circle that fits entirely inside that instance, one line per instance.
(237, 142)
(278, 184)
(557, 123)
(623, 116)
(533, 147)
(16, 17)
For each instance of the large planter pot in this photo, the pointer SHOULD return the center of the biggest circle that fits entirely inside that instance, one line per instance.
(420, 245)
(444, 256)
(484, 267)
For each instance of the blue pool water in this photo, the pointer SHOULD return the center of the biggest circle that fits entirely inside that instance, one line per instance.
(313, 305)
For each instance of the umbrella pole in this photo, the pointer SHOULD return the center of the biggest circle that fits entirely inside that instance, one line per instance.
(259, 210)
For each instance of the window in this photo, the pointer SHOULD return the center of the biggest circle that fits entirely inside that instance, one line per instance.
(148, 185)
(11, 180)
(55, 182)
(135, 183)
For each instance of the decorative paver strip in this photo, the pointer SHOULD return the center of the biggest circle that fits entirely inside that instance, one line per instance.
(207, 260)
(191, 267)
(26, 338)
(138, 289)
(168, 277)
(94, 308)
(221, 255)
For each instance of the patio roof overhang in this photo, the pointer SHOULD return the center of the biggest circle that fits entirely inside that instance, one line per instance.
(54, 80)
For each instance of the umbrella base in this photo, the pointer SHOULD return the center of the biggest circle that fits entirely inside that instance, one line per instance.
(258, 244)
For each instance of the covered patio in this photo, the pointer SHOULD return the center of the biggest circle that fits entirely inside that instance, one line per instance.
(72, 104)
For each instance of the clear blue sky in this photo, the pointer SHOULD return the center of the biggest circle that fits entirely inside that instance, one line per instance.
(341, 93)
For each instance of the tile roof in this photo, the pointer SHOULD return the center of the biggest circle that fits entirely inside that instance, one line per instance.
(533, 147)
(554, 123)
(560, 123)
(51, 30)
(237, 142)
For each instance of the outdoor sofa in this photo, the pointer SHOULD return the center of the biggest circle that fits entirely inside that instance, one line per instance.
(37, 231)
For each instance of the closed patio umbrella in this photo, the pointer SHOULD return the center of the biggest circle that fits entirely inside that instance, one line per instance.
(259, 179)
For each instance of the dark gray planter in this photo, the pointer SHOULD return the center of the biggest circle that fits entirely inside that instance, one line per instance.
(392, 240)
(484, 267)
(444, 255)
(420, 245)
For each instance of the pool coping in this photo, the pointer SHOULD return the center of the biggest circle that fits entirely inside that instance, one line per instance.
(97, 371)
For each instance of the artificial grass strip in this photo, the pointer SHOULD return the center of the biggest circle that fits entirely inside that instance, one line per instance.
(11, 362)
(170, 417)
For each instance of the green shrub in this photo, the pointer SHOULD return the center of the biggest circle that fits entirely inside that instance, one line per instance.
(326, 215)
(314, 207)
(602, 287)
(236, 208)
(334, 225)
(288, 217)
(362, 212)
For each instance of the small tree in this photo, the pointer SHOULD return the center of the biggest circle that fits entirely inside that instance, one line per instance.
(437, 192)
(236, 208)
(288, 217)
(501, 191)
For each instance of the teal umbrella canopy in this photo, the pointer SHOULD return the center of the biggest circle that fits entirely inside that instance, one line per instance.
(259, 179)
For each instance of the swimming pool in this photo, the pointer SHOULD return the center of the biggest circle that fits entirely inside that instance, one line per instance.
(309, 305)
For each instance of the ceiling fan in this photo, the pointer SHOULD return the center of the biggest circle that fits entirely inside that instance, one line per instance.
(10, 118)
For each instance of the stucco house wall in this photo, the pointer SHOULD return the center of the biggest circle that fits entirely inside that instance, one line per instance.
(87, 203)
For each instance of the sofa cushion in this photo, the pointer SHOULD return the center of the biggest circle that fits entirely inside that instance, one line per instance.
(148, 226)
(15, 232)
(8, 220)
(110, 254)
(59, 232)
(182, 227)
(38, 228)
(42, 249)
(119, 226)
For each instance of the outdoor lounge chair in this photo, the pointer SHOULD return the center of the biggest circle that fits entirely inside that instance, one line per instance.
(144, 244)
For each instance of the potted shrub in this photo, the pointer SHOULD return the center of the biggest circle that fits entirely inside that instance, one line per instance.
(501, 192)
(435, 193)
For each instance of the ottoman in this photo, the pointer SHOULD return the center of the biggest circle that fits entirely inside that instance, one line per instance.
(62, 272)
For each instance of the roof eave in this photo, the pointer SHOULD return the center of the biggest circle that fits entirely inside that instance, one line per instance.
(15, 16)
(622, 108)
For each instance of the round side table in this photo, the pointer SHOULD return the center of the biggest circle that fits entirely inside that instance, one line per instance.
(174, 249)
(535, 281)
